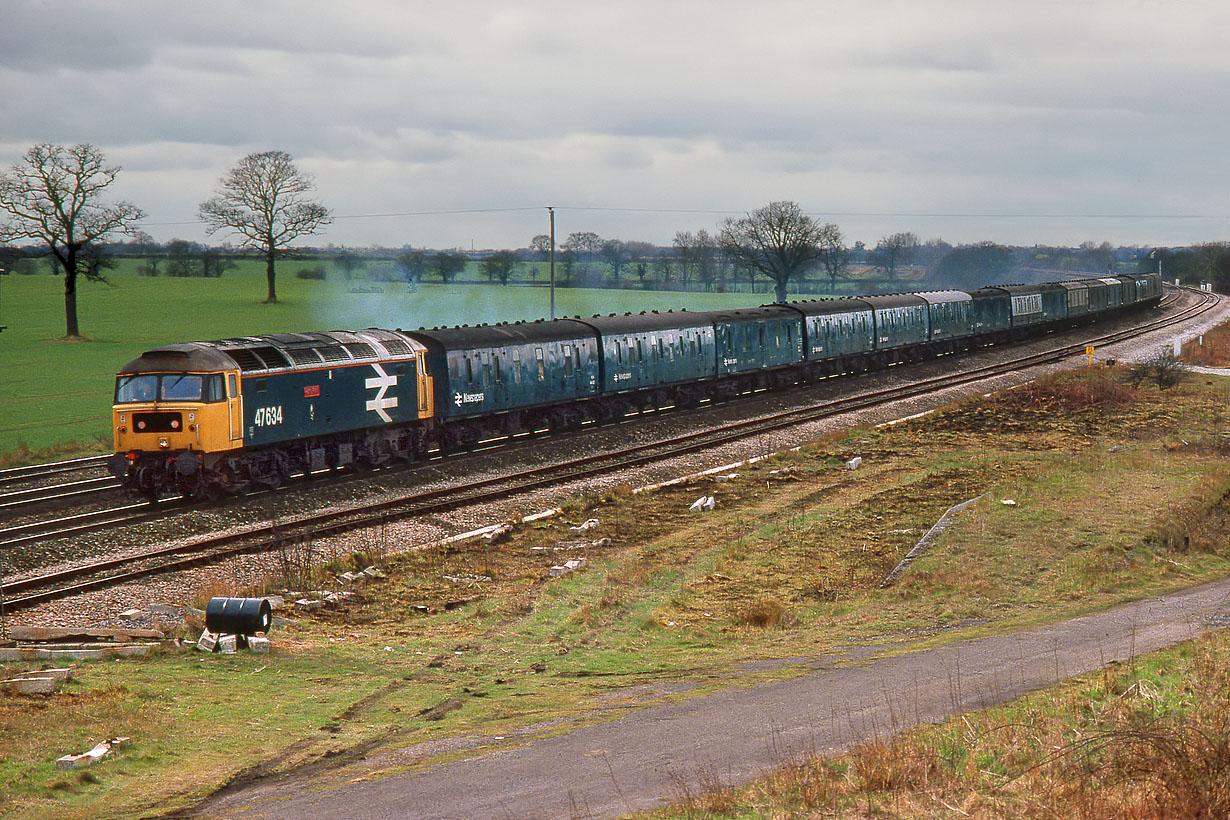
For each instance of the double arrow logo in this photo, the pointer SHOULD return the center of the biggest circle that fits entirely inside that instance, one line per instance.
(380, 404)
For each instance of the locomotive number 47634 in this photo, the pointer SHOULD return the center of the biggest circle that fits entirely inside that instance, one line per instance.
(268, 416)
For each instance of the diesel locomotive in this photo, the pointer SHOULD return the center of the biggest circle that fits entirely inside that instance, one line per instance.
(204, 419)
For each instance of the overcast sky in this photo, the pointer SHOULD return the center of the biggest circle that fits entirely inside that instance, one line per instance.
(454, 123)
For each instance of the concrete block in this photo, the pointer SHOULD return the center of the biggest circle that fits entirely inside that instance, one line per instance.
(258, 645)
(208, 641)
(61, 674)
(131, 614)
(227, 644)
(43, 685)
(307, 605)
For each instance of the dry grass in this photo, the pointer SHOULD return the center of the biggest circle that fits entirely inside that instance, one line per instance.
(1143, 744)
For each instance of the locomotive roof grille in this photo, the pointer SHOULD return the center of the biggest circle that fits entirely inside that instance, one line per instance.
(304, 355)
(360, 350)
(396, 347)
(246, 359)
(333, 353)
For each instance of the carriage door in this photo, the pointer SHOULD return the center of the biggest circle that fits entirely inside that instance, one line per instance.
(425, 387)
(234, 404)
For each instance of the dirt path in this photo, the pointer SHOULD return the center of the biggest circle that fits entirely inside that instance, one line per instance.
(646, 755)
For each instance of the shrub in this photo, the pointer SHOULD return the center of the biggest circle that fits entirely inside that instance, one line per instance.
(317, 272)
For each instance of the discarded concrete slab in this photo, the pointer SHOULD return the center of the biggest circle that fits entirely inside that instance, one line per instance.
(207, 642)
(227, 644)
(93, 755)
(32, 685)
(94, 652)
(76, 634)
(258, 645)
(567, 567)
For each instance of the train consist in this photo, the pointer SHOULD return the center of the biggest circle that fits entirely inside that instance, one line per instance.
(209, 418)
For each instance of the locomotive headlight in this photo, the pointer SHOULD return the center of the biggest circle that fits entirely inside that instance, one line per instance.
(163, 443)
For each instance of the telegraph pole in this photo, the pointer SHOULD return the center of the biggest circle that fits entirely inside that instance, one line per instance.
(551, 211)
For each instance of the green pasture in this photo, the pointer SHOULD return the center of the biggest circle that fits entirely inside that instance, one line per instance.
(57, 394)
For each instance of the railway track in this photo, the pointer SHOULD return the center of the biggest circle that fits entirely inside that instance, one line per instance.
(266, 536)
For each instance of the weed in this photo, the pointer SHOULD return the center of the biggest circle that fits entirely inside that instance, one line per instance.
(765, 613)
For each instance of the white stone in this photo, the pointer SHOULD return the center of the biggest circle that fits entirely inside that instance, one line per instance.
(258, 646)
(207, 642)
(131, 614)
(584, 526)
(854, 463)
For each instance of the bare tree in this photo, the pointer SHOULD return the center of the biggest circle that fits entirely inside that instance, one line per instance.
(834, 256)
(615, 253)
(262, 199)
(894, 251)
(778, 240)
(412, 264)
(52, 195)
(500, 265)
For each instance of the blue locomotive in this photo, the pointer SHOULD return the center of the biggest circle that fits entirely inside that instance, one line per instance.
(209, 418)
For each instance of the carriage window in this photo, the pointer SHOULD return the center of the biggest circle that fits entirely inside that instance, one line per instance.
(469, 370)
(542, 367)
(567, 361)
(517, 366)
(498, 376)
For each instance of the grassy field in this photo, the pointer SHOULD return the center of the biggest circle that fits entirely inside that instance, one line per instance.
(1120, 493)
(55, 396)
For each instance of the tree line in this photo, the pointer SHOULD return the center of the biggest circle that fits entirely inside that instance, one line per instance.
(53, 198)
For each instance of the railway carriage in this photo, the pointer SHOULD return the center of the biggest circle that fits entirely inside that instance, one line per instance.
(755, 342)
(992, 308)
(1076, 297)
(486, 378)
(901, 321)
(950, 315)
(836, 329)
(663, 356)
(1141, 288)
